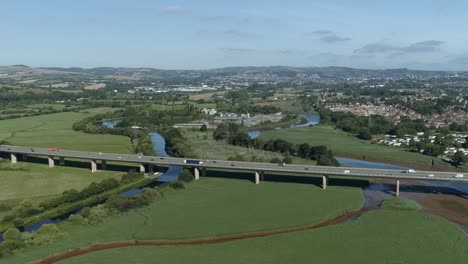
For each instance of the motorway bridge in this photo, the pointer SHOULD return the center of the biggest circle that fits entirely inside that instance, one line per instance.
(258, 169)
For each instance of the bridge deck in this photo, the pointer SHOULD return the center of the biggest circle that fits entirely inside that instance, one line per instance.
(237, 165)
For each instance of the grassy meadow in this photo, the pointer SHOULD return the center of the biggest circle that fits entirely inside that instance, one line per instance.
(210, 207)
(346, 145)
(31, 180)
(36, 181)
(205, 147)
(55, 130)
(376, 237)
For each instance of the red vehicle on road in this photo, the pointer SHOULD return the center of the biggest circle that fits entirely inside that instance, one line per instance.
(53, 149)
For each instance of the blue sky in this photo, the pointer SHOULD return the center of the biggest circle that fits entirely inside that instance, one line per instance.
(202, 34)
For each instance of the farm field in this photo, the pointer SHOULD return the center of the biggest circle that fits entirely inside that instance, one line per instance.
(35, 181)
(56, 130)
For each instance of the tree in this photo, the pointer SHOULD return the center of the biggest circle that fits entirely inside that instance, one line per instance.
(304, 150)
(221, 132)
(459, 158)
(12, 234)
(327, 160)
(186, 176)
(203, 128)
(364, 134)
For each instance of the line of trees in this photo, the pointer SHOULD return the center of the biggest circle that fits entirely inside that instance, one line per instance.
(235, 136)
(28, 208)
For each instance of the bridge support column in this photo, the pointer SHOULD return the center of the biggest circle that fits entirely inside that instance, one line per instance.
(93, 166)
(397, 191)
(203, 172)
(103, 164)
(257, 177)
(150, 168)
(196, 173)
(324, 182)
(262, 176)
(14, 159)
(51, 161)
(25, 156)
(62, 161)
(142, 168)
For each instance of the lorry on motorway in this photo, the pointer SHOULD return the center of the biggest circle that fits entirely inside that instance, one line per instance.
(189, 161)
(53, 149)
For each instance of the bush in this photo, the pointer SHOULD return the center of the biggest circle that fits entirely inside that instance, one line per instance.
(18, 222)
(178, 185)
(97, 215)
(131, 176)
(287, 160)
(186, 176)
(12, 244)
(275, 160)
(154, 194)
(85, 212)
(47, 234)
(76, 219)
(118, 202)
(24, 208)
(12, 234)
(123, 204)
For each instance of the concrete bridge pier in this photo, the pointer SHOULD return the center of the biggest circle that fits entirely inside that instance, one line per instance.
(14, 159)
(203, 172)
(62, 161)
(196, 173)
(324, 182)
(257, 177)
(150, 168)
(103, 164)
(93, 166)
(51, 161)
(397, 191)
(142, 168)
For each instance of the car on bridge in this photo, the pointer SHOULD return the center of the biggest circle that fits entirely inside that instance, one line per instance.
(458, 175)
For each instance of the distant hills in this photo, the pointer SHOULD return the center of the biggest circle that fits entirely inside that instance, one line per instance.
(272, 73)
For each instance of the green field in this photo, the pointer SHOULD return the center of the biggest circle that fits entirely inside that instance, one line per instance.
(396, 203)
(346, 145)
(376, 237)
(29, 180)
(205, 147)
(36, 181)
(210, 207)
(56, 130)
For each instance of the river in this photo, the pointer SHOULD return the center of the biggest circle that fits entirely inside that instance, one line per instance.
(170, 175)
(374, 194)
